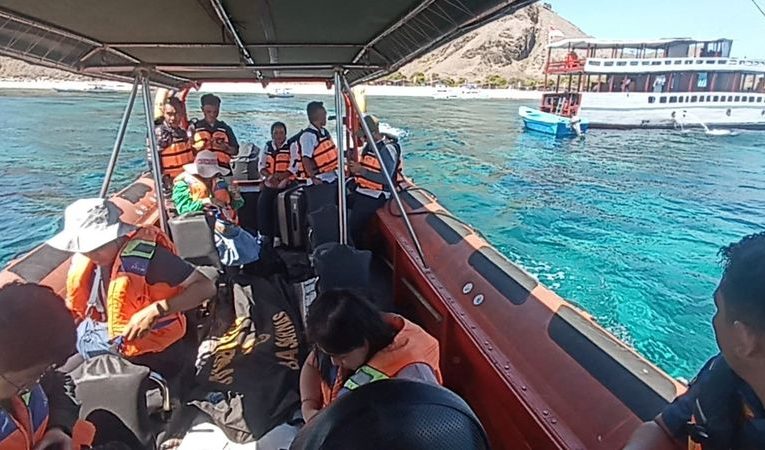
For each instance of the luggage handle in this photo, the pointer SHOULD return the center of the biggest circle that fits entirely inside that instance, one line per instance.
(162, 384)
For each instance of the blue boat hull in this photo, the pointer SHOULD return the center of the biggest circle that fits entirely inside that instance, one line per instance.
(550, 124)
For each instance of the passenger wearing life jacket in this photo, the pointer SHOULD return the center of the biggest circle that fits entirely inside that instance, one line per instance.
(145, 287)
(372, 190)
(201, 185)
(277, 164)
(356, 344)
(212, 134)
(173, 141)
(37, 405)
(723, 407)
(318, 154)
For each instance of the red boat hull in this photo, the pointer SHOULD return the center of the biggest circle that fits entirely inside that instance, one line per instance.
(539, 373)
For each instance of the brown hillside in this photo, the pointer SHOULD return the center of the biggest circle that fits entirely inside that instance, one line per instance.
(512, 47)
(13, 69)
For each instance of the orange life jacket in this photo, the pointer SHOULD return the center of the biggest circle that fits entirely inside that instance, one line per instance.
(278, 160)
(204, 136)
(411, 345)
(129, 292)
(174, 156)
(325, 152)
(199, 191)
(370, 162)
(24, 425)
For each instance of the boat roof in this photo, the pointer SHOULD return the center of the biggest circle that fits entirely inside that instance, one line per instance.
(182, 41)
(584, 43)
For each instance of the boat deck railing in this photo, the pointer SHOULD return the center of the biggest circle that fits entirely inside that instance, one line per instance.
(568, 65)
(633, 65)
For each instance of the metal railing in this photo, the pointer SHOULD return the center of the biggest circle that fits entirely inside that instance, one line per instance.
(386, 174)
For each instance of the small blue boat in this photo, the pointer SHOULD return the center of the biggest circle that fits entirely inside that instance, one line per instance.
(555, 125)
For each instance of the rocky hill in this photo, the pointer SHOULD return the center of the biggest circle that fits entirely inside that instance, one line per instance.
(13, 69)
(511, 48)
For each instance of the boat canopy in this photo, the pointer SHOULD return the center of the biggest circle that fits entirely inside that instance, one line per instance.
(588, 43)
(182, 41)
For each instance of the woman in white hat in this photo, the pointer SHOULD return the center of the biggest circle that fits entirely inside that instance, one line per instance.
(202, 185)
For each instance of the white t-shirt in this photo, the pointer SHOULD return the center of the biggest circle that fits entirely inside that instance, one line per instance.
(308, 143)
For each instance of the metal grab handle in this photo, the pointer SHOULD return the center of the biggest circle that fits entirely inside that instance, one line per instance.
(162, 384)
(118, 141)
(388, 179)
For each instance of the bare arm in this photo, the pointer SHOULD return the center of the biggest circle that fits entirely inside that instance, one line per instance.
(309, 166)
(196, 289)
(310, 388)
(307, 143)
(651, 436)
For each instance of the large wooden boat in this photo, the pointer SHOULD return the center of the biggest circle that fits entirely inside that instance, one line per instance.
(662, 83)
(539, 373)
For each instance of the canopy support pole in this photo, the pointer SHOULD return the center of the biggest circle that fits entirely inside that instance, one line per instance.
(388, 176)
(118, 141)
(341, 193)
(156, 170)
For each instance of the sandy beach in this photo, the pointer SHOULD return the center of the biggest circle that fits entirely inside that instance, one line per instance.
(295, 88)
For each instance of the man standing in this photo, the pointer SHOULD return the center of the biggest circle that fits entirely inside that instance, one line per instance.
(372, 190)
(723, 407)
(173, 141)
(209, 133)
(319, 156)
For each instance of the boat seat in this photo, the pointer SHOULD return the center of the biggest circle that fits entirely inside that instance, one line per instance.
(342, 267)
(395, 414)
(193, 238)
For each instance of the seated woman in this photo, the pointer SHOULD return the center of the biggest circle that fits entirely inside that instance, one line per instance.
(277, 164)
(355, 344)
(201, 187)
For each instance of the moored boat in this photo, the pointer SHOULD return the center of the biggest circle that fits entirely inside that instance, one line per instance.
(89, 89)
(281, 93)
(443, 92)
(525, 360)
(552, 124)
(656, 83)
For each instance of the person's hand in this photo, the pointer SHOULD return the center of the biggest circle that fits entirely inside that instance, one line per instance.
(141, 323)
(355, 167)
(54, 439)
(316, 180)
(283, 184)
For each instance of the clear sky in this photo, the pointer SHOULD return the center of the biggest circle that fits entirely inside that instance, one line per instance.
(650, 19)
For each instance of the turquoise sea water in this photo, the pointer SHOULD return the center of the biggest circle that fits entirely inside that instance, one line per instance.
(624, 224)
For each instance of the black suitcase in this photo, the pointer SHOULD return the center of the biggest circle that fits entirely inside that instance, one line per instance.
(323, 226)
(291, 211)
